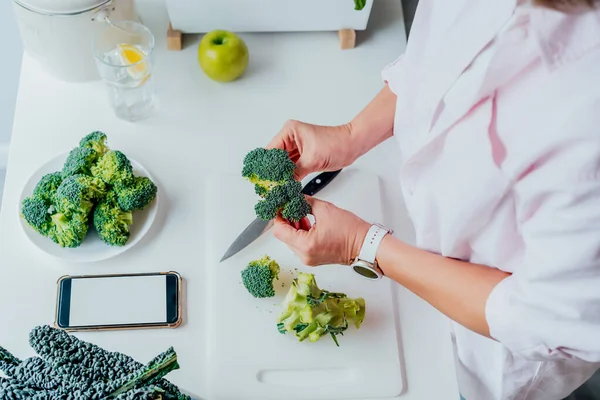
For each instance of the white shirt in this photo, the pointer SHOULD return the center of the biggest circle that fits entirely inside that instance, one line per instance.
(498, 122)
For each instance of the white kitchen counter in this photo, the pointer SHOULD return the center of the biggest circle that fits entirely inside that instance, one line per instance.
(202, 127)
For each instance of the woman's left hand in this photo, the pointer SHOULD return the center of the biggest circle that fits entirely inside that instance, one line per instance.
(336, 236)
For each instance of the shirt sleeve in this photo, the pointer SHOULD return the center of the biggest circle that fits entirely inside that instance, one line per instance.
(392, 74)
(549, 308)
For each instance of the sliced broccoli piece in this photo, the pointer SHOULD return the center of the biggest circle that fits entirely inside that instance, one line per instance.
(69, 368)
(310, 312)
(79, 161)
(258, 277)
(35, 211)
(137, 195)
(267, 168)
(68, 230)
(95, 141)
(77, 193)
(114, 168)
(47, 186)
(111, 222)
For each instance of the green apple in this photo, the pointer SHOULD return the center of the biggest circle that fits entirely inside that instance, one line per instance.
(223, 55)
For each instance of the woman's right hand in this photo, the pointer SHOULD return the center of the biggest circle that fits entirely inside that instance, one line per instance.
(315, 148)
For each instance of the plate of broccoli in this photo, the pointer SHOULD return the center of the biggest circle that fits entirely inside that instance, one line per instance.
(88, 204)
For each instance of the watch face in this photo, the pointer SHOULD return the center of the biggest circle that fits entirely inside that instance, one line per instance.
(365, 271)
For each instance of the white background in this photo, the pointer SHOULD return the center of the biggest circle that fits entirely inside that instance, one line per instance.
(10, 43)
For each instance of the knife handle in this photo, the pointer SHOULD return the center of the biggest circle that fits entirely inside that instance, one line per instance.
(319, 182)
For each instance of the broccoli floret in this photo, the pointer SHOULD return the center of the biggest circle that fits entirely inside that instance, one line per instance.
(46, 187)
(76, 194)
(95, 141)
(267, 168)
(114, 168)
(112, 223)
(272, 173)
(259, 275)
(68, 230)
(311, 312)
(79, 161)
(137, 195)
(35, 211)
(287, 199)
(69, 368)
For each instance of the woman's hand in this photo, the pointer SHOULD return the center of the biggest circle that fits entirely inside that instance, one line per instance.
(316, 148)
(336, 237)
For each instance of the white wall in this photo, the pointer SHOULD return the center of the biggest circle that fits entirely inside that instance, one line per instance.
(12, 50)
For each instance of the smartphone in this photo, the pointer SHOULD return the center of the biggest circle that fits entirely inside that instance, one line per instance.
(119, 301)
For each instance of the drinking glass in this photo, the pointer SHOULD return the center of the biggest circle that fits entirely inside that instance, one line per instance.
(124, 54)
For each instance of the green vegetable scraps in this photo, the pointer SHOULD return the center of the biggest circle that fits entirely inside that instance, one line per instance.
(310, 312)
(96, 187)
(259, 275)
(68, 368)
(272, 173)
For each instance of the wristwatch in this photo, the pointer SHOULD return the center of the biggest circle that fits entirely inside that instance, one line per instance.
(366, 262)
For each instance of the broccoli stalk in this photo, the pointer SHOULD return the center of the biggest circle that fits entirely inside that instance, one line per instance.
(258, 277)
(272, 173)
(311, 312)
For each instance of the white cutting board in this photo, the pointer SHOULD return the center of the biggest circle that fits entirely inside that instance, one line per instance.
(248, 358)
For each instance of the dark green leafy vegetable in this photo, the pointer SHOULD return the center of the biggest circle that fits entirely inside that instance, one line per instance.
(259, 275)
(359, 4)
(69, 368)
(310, 312)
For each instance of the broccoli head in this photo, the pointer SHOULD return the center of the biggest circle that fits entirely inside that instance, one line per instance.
(272, 173)
(258, 277)
(95, 141)
(79, 161)
(68, 230)
(76, 194)
(310, 312)
(114, 168)
(47, 186)
(137, 195)
(112, 223)
(35, 211)
(267, 168)
(287, 199)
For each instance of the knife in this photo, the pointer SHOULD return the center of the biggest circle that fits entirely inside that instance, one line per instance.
(259, 226)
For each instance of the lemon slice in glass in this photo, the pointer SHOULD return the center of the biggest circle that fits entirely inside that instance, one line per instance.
(134, 56)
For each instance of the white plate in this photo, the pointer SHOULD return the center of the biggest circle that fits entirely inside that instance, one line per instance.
(93, 248)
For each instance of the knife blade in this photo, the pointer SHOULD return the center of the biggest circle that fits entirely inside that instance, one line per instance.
(258, 227)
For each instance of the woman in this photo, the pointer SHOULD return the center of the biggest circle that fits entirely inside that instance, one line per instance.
(496, 110)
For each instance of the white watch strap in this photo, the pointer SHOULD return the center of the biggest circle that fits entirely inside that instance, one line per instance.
(375, 235)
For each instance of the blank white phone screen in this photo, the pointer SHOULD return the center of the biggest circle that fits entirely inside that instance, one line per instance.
(118, 300)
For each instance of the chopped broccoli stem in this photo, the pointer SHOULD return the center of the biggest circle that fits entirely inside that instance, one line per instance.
(258, 277)
(311, 313)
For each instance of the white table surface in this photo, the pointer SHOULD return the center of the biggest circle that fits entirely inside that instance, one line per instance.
(200, 127)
